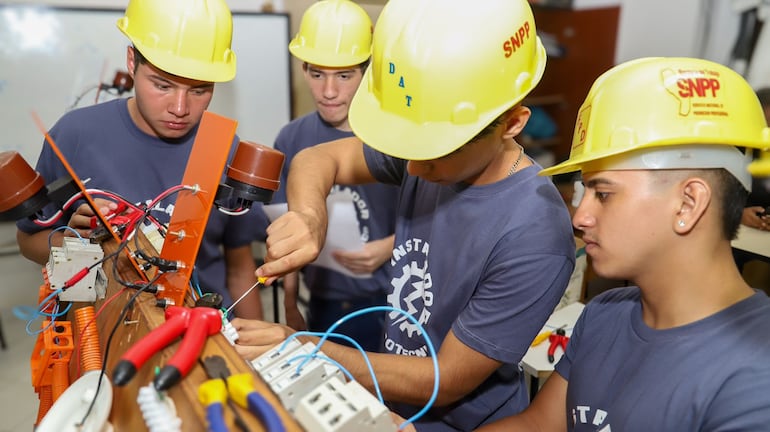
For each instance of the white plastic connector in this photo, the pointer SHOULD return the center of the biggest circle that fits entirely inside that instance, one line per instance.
(275, 355)
(73, 256)
(291, 384)
(229, 331)
(153, 235)
(158, 412)
(336, 406)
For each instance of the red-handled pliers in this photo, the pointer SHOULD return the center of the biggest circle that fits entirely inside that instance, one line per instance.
(558, 338)
(196, 323)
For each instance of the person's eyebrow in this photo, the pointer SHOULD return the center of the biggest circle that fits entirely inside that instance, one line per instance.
(597, 181)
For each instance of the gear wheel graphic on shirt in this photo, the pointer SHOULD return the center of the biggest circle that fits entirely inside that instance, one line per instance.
(394, 299)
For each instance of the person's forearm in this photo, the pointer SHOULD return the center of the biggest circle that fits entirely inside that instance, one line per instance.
(290, 289)
(34, 247)
(311, 177)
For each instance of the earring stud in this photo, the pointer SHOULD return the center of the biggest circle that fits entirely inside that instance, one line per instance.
(681, 223)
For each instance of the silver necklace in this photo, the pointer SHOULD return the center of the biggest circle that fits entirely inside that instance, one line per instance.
(518, 159)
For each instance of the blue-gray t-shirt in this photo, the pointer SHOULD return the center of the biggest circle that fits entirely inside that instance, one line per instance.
(488, 262)
(710, 375)
(104, 145)
(375, 206)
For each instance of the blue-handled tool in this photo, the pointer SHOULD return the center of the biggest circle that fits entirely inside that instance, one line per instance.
(223, 388)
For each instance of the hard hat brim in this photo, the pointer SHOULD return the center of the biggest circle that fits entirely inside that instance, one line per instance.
(191, 69)
(577, 163)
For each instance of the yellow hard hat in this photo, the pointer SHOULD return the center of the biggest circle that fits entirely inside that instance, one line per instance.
(188, 38)
(333, 33)
(667, 113)
(441, 71)
(761, 166)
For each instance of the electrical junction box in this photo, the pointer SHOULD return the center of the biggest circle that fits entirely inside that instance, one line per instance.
(281, 371)
(66, 261)
(338, 406)
(318, 394)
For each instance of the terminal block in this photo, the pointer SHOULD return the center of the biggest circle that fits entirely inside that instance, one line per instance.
(318, 394)
(337, 406)
(287, 380)
(73, 257)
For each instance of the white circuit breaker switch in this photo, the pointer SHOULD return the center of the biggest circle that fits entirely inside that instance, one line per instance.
(66, 261)
(337, 406)
(278, 354)
(290, 383)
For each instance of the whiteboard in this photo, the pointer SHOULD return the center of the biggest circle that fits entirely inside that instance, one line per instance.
(51, 57)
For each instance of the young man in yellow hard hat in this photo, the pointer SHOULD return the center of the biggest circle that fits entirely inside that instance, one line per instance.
(138, 147)
(484, 248)
(334, 43)
(686, 348)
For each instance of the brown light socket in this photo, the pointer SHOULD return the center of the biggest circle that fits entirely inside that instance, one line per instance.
(18, 181)
(256, 165)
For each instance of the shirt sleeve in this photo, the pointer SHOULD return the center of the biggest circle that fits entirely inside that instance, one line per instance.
(512, 303)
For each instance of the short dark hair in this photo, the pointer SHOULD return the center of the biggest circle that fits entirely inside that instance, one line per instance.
(763, 95)
(732, 196)
(362, 66)
(138, 58)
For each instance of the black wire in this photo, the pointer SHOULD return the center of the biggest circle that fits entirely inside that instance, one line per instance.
(108, 256)
(120, 319)
(80, 96)
(140, 289)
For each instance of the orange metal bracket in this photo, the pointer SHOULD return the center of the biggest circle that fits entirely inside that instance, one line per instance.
(192, 208)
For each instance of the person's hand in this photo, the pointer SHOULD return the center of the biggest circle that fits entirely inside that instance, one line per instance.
(257, 337)
(293, 240)
(398, 420)
(81, 219)
(755, 217)
(367, 260)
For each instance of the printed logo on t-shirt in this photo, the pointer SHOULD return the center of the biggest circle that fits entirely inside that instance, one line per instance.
(362, 208)
(158, 208)
(585, 415)
(412, 284)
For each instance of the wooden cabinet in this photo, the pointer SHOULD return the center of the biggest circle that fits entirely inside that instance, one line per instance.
(587, 41)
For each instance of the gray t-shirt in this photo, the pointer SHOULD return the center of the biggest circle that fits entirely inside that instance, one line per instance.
(103, 144)
(710, 375)
(488, 262)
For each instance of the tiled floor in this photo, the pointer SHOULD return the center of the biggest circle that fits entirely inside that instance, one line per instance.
(19, 283)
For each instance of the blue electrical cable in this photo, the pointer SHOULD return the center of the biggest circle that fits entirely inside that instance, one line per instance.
(195, 283)
(428, 343)
(61, 228)
(326, 359)
(352, 342)
(30, 314)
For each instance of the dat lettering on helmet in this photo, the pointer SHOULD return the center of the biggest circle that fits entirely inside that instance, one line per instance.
(516, 40)
(392, 71)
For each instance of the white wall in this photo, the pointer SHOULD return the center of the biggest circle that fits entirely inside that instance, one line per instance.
(658, 28)
(51, 60)
(690, 28)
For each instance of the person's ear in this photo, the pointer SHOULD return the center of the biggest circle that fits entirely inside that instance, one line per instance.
(515, 120)
(695, 197)
(130, 61)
